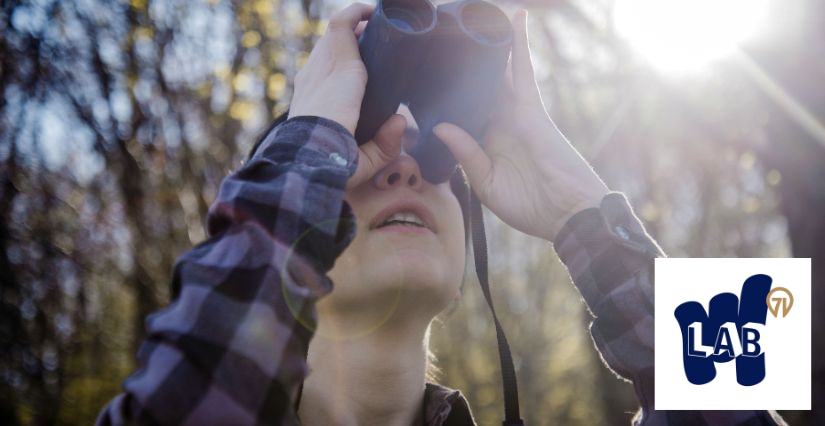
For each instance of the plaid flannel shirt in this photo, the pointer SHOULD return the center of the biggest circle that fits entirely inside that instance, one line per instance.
(231, 348)
(610, 259)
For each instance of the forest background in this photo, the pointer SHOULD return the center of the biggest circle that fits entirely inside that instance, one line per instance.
(118, 121)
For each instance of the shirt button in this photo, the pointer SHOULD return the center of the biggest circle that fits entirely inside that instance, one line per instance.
(622, 232)
(338, 159)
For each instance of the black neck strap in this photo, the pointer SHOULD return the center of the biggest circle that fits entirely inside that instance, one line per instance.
(508, 371)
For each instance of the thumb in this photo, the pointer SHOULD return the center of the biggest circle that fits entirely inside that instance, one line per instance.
(475, 162)
(380, 151)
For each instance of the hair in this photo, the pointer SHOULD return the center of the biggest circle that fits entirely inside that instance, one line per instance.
(431, 370)
(461, 189)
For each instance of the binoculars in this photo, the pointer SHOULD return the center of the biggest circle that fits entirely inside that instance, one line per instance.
(446, 64)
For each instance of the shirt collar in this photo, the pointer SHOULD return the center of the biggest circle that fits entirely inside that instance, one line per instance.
(438, 403)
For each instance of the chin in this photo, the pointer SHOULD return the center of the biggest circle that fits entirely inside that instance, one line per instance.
(427, 275)
(413, 264)
(382, 269)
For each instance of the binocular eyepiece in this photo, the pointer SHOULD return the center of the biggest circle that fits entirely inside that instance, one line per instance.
(446, 64)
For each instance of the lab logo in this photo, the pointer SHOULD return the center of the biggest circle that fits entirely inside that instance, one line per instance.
(786, 307)
(732, 334)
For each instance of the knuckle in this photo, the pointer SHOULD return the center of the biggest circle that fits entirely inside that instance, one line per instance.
(336, 23)
(341, 18)
(360, 6)
(357, 7)
(340, 13)
(377, 155)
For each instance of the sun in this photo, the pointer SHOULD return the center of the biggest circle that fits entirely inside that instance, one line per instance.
(678, 35)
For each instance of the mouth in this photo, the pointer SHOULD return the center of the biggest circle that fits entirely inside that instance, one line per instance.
(404, 216)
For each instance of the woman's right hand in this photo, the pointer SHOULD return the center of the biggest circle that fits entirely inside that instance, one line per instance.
(527, 172)
(331, 85)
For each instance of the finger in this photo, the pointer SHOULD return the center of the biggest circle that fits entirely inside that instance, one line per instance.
(475, 162)
(381, 150)
(388, 138)
(507, 90)
(524, 79)
(350, 16)
(359, 29)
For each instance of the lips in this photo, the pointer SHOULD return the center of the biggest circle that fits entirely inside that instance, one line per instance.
(409, 213)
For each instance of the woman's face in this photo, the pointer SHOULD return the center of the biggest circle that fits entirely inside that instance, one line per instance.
(408, 252)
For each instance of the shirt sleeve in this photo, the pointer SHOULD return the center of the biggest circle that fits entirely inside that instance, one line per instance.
(231, 347)
(610, 258)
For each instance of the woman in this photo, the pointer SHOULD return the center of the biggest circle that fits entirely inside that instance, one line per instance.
(256, 334)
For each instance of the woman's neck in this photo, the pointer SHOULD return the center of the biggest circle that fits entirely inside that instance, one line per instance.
(376, 378)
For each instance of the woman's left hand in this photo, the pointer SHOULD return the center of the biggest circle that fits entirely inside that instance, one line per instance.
(527, 173)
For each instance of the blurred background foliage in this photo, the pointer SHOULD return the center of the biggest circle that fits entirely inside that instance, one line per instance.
(119, 119)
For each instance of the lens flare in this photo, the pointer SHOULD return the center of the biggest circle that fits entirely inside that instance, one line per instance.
(678, 35)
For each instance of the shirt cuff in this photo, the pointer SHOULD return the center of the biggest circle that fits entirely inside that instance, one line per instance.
(612, 222)
(324, 154)
(603, 246)
(314, 141)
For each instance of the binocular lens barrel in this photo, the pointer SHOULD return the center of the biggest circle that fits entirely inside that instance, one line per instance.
(409, 15)
(393, 41)
(485, 23)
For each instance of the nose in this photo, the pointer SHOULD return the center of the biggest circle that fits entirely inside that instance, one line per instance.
(403, 171)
